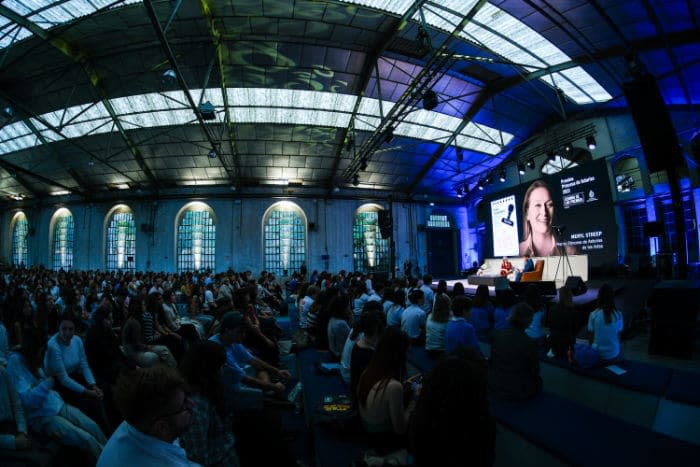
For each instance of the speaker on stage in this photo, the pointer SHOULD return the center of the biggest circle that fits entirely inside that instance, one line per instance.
(654, 127)
(576, 285)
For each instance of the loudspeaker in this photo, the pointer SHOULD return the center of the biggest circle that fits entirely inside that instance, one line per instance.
(656, 132)
(576, 285)
(674, 308)
(312, 227)
(385, 223)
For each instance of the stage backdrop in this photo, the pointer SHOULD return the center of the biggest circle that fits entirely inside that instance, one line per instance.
(583, 210)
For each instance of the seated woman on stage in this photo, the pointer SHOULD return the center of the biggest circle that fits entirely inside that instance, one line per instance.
(506, 267)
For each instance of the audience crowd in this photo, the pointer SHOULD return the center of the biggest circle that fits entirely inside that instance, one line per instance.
(148, 368)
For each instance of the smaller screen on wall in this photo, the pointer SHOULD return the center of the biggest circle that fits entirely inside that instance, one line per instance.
(504, 226)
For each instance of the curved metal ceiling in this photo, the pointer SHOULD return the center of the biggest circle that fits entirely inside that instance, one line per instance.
(312, 98)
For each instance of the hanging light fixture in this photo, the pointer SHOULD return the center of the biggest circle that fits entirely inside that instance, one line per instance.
(521, 168)
(590, 142)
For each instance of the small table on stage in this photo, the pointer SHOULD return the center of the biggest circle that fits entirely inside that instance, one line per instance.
(483, 279)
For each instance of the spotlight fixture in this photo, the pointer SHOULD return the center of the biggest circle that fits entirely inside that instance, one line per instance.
(521, 168)
(489, 179)
(7, 112)
(590, 142)
(336, 189)
(363, 164)
(168, 77)
(550, 156)
(91, 163)
(568, 147)
(389, 134)
(213, 154)
(531, 163)
(502, 175)
(480, 185)
(355, 180)
(422, 41)
(459, 154)
(430, 100)
(460, 192)
(207, 111)
(350, 143)
(432, 204)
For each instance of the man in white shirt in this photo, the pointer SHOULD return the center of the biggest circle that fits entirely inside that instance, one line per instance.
(413, 318)
(157, 411)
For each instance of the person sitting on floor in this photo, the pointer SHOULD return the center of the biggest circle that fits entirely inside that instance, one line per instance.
(482, 312)
(452, 421)
(380, 393)
(605, 325)
(562, 335)
(372, 324)
(505, 299)
(515, 366)
(157, 411)
(16, 445)
(44, 408)
(66, 360)
(460, 333)
(209, 440)
(413, 318)
(241, 385)
(436, 325)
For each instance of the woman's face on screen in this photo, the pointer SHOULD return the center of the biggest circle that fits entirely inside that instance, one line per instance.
(540, 210)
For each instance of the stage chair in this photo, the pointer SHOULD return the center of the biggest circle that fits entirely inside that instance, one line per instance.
(536, 275)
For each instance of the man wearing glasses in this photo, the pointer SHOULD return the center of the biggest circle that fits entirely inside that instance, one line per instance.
(156, 411)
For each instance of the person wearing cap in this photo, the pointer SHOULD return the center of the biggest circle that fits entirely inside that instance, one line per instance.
(244, 374)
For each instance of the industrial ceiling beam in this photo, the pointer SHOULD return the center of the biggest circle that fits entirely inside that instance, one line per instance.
(365, 75)
(80, 57)
(234, 172)
(434, 67)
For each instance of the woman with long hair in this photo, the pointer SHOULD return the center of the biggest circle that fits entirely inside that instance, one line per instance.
(380, 392)
(436, 325)
(45, 410)
(209, 440)
(562, 335)
(482, 311)
(338, 327)
(452, 425)
(605, 325)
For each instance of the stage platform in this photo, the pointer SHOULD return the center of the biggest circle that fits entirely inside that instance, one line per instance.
(585, 299)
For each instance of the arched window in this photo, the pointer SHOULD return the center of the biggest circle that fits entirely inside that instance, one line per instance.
(62, 241)
(121, 239)
(284, 238)
(196, 238)
(20, 230)
(369, 250)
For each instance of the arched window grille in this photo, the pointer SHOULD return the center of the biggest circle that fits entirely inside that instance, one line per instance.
(63, 231)
(20, 231)
(121, 240)
(196, 239)
(284, 238)
(370, 250)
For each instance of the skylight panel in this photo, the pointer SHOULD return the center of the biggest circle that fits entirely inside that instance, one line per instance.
(11, 34)
(398, 7)
(87, 127)
(15, 137)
